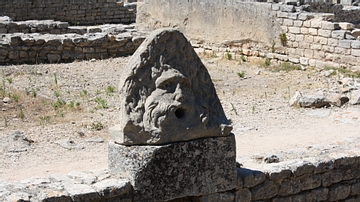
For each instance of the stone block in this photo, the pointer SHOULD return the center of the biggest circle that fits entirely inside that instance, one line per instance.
(81, 192)
(251, 178)
(264, 191)
(309, 39)
(346, 26)
(293, 16)
(243, 195)
(316, 46)
(288, 22)
(193, 168)
(298, 23)
(307, 24)
(310, 182)
(329, 25)
(339, 192)
(355, 52)
(333, 42)
(338, 34)
(355, 44)
(344, 43)
(324, 33)
(313, 31)
(281, 14)
(304, 30)
(316, 23)
(344, 51)
(304, 61)
(216, 197)
(309, 53)
(328, 49)
(289, 187)
(355, 189)
(113, 188)
(331, 177)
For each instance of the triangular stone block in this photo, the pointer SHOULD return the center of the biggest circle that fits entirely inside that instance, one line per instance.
(167, 95)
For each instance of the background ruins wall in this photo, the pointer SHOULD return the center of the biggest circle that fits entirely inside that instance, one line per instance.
(76, 12)
(313, 39)
(218, 21)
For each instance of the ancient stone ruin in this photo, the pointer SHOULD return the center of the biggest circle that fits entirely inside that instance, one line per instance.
(170, 101)
(167, 94)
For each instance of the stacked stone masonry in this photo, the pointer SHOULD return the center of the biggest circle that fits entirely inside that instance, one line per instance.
(312, 39)
(79, 43)
(84, 12)
(336, 179)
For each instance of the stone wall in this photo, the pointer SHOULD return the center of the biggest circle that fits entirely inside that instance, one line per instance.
(312, 39)
(79, 12)
(334, 179)
(78, 44)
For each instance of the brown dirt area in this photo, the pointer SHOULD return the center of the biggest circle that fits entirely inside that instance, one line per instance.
(63, 110)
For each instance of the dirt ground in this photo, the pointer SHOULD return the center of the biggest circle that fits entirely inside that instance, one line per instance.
(62, 113)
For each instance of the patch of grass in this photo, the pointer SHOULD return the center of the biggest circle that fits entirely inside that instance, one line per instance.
(241, 74)
(286, 67)
(343, 71)
(234, 109)
(110, 89)
(97, 125)
(267, 62)
(33, 92)
(83, 93)
(5, 122)
(57, 94)
(44, 120)
(9, 80)
(283, 39)
(242, 58)
(228, 56)
(60, 103)
(55, 79)
(101, 103)
(15, 98)
(3, 87)
(21, 114)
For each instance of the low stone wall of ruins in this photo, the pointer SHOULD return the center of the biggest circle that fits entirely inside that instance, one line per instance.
(50, 41)
(305, 180)
(313, 39)
(79, 12)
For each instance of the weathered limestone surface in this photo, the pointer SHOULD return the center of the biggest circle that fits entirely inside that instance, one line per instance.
(167, 94)
(193, 168)
(84, 12)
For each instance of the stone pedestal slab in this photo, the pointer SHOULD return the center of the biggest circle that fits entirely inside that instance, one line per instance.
(192, 168)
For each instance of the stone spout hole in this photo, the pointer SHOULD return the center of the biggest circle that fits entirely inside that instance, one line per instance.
(179, 113)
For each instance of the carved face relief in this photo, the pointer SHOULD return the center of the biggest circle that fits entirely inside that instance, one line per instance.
(172, 105)
(167, 94)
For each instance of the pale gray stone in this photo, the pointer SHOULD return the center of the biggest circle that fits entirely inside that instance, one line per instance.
(251, 178)
(355, 97)
(82, 177)
(114, 187)
(315, 101)
(302, 168)
(81, 192)
(193, 168)
(295, 99)
(167, 94)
